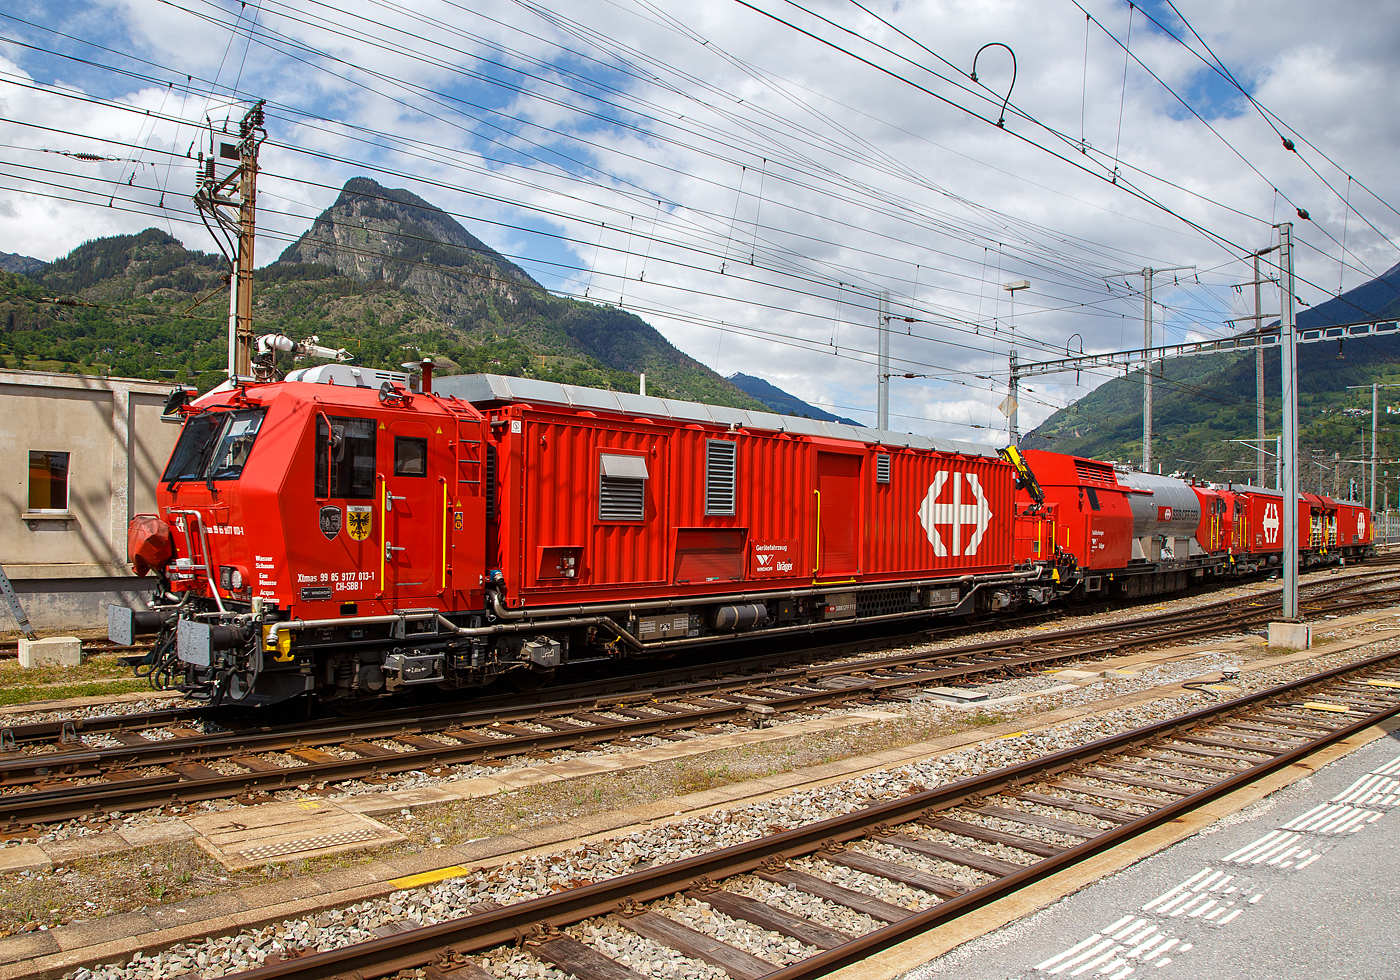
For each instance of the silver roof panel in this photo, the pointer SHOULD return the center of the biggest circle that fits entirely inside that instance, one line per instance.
(486, 388)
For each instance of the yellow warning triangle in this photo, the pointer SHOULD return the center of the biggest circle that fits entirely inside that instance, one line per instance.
(381, 425)
(439, 431)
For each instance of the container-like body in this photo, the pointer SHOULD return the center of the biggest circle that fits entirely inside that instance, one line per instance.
(696, 510)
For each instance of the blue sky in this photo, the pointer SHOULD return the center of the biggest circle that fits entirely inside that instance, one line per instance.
(742, 185)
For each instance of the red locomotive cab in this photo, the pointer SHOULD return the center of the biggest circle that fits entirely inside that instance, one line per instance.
(1092, 519)
(1353, 526)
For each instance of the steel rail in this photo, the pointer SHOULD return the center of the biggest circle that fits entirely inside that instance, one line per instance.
(68, 802)
(520, 921)
(642, 685)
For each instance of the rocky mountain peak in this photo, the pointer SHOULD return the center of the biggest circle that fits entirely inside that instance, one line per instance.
(374, 233)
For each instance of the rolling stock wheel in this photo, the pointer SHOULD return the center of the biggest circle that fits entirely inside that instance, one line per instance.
(240, 685)
(526, 681)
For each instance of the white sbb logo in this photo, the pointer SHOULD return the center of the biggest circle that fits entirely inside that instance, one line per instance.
(954, 513)
(1270, 523)
(1361, 524)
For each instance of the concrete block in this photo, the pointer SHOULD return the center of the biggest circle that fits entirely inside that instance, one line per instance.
(1294, 636)
(958, 695)
(1075, 675)
(51, 651)
(25, 857)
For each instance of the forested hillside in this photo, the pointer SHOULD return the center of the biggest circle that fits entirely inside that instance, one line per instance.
(382, 273)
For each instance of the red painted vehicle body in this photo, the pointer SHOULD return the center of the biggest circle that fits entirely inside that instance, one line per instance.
(1087, 509)
(343, 534)
(789, 510)
(300, 541)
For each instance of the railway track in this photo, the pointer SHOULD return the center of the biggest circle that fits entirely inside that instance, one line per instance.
(127, 766)
(956, 848)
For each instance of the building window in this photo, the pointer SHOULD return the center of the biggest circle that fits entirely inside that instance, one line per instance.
(48, 482)
(621, 488)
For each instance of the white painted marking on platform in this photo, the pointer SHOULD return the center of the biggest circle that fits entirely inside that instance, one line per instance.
(1133, 926)
(1089, 954)
(1110, 930)
(1252, 846)
(1393, 766)
(1069, 952)
(1097, 961)
(1160, 949)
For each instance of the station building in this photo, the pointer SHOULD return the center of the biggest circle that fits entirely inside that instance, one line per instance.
(79, 457)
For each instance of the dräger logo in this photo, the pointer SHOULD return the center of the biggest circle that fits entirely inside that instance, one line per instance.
(767, 561)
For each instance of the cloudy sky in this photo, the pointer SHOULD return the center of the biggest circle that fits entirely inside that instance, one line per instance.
(751, 175)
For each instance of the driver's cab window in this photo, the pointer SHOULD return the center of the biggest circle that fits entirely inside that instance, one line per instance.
(410, 456)
(345, 458)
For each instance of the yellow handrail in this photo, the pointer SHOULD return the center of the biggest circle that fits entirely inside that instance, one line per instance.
(446, 515)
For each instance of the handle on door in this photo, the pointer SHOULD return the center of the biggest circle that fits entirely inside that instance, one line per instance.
(389, 550)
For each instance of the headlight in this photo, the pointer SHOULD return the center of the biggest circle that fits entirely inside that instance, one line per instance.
(231, 578)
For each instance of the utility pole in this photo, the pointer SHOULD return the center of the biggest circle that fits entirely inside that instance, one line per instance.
(219, 199)
(1375, 419)
(1289, 449)
(882, 410)
(1013, 386)
(1147, 276)
(1259, 363)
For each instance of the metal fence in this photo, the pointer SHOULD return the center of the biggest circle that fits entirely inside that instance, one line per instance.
(1388, 528)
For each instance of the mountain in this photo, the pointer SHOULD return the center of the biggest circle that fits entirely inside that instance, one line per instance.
(781, 402)
(1200, 403)
(375, 235)
(381, 272)
(20, 264)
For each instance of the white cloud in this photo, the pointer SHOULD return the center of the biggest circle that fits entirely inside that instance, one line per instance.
(810, 179)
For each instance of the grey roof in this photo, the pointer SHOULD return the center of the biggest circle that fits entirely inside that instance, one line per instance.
(484, 389)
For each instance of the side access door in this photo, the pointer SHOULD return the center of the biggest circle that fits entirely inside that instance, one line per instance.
(838, 514)
(414, 501)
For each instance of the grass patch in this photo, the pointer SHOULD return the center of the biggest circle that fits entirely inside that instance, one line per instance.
(99, 667)
(92, 888)
(84, 689)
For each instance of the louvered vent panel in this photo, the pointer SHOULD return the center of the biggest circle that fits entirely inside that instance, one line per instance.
(621, 499)
(720, 459)
(882, 469)
(490, 483)
(1097, 473)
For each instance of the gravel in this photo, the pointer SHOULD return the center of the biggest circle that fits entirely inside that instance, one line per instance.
(581, 864)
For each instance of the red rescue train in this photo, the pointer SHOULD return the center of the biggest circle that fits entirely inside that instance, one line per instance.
(348, 533)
